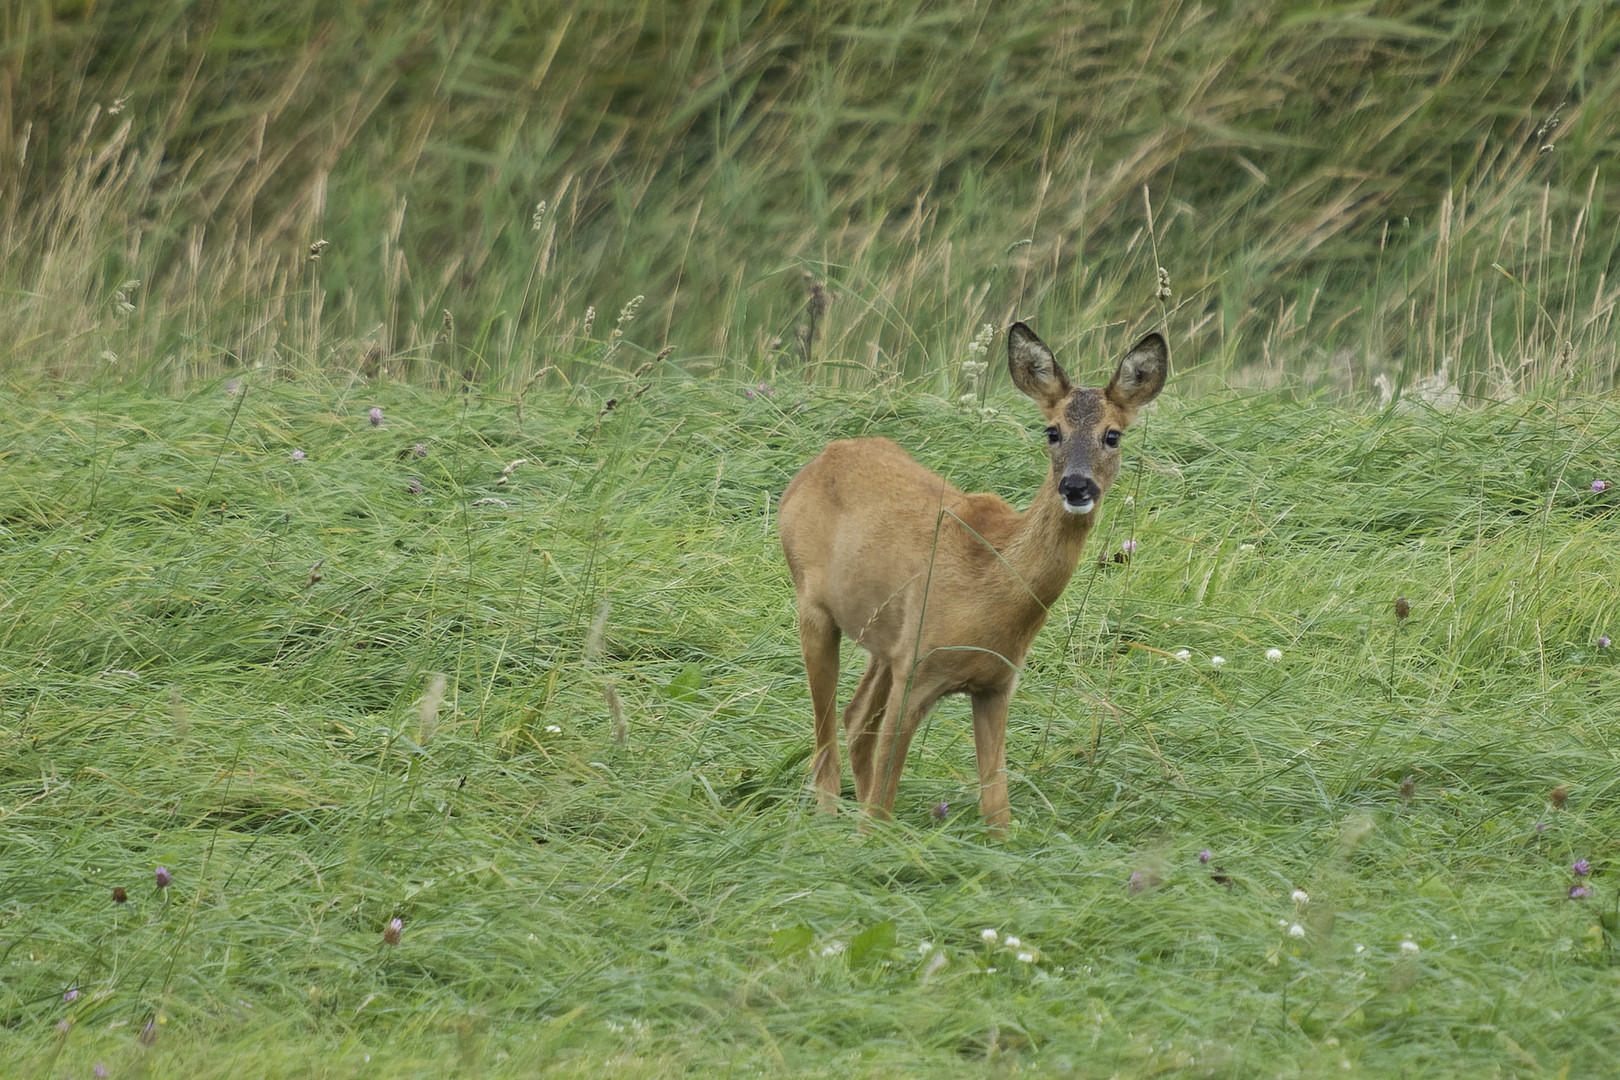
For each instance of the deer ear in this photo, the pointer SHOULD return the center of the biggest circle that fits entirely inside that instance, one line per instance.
(1034, 369)
(1141, 374)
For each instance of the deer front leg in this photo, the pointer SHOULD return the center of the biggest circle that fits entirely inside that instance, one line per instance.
(990, 745)
(906, 708)
(862, 721)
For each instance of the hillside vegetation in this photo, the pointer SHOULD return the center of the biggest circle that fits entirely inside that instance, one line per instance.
(1338, 193)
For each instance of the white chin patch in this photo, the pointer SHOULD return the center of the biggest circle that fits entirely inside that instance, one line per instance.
(1080, 508)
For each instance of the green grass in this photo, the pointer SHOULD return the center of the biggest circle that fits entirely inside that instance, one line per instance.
(181, 690)
(767, 226)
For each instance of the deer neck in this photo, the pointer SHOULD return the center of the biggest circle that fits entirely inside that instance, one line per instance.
(1048, 545)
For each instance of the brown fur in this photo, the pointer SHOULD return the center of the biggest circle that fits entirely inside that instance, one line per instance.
(943, 589)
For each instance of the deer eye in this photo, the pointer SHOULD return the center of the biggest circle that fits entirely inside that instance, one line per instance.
(1054, 436)
(1111, 439)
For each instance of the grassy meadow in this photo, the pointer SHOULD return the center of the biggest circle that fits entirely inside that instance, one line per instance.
(391, 559)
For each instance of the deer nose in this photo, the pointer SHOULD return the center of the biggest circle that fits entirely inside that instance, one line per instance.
(1079, 490)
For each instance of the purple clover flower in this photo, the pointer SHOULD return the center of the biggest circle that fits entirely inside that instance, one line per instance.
(298, 455)
(419, 450)
(376, 416)
(70, 997)
(1603, 642)
(1581, 868)
(940, 810)
(1205, 855)
(1580, 892)
(1599, 486)
(163, 877)
(1128, 547)
(100, 1071)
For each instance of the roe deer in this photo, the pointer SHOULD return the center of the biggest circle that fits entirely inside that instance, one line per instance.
(945, 590)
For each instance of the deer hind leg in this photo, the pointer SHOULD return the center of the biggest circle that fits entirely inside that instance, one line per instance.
(906, 707)
(818, 638)
(990, 745)
(862, 720)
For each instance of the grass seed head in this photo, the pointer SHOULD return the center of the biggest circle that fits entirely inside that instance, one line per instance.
(177, 712)
(427, 710)
(621, 727)
(593, 637)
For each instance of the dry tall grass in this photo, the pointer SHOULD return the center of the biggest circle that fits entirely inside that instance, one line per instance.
(1339, 195)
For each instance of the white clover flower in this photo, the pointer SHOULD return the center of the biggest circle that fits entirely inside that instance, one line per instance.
(1274, 655)
(1183, 654)
(1300, 896)
(832, 948)
(553, 729)
(924, 948)
(1409, 946)
(989, 935)
(1012, 942)
(1217, 662)
(968, 400)
(1296, 930)
(1360, 947)
(1026, 958)
(987, 412)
